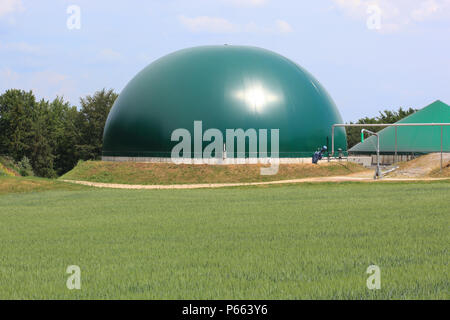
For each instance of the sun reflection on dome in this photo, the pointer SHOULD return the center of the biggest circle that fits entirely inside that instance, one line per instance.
(256, 97)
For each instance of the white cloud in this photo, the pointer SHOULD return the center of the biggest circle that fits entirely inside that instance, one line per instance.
(206, 24)
(45, 84)
(21, 47)
(246, 3)
(10, 6)
(283, 26)
(396, 15)
(427, 10)
(7, 75)
(109, 55)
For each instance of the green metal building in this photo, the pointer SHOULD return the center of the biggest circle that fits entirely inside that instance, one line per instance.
(225, 87)
(414, 139)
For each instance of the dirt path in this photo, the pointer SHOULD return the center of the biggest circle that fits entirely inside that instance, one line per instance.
(421, 167)
(365, 177)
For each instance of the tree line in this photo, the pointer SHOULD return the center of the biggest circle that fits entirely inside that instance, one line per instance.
(52, 135)
(386, 116)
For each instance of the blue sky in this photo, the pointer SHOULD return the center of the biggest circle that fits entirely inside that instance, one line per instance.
(369, 54)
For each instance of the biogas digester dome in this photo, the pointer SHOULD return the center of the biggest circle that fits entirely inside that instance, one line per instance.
(225, 87)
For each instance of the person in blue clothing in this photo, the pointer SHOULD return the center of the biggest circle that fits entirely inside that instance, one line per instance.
(318, 155)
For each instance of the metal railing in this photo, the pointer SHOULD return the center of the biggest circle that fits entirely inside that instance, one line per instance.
(396, 125)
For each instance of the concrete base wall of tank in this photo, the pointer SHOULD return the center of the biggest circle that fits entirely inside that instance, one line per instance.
(212, 161)
(365, 161)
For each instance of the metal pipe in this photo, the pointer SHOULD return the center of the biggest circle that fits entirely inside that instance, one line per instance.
(379, 125)
(391, 124)
(332, 140)
(395, 157)
(378, 155)
(378, 170)
(442, 137)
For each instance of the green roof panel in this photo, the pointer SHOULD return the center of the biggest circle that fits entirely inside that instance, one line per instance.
(414, 139)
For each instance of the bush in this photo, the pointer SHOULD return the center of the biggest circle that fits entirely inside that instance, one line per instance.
(25, 168)
(5, 172)
(9, 163)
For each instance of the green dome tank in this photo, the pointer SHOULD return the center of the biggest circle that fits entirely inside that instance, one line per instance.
(225, 87)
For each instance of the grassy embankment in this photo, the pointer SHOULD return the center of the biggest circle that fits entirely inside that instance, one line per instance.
(12, 184)
(166, 173)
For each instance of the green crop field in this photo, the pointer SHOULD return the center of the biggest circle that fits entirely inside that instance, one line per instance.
(280, 242)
